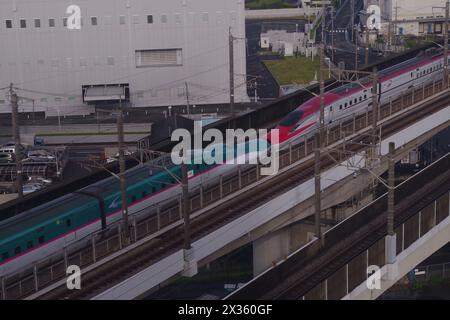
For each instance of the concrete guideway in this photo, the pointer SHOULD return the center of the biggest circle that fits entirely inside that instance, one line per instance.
(339, 268)
(135, 286)
(241, 232)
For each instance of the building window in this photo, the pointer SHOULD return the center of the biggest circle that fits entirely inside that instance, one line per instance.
(37, 23)
(205, 17)
(163, 18)
(136, 19)
(83, 62)
(64, 22)
(8, 24)
(23, 23)
(178, 18)
(51, 23)
(219, 17)
(159, 58)
(149, 19)
(122, 19)
(94, 21)
(110, 61)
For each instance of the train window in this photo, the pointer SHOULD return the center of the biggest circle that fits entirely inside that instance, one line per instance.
(365, 96)
(411, 74)
(41, 239)
(68, 222)
(345, 106)
(161, 186)
(29, 244)
(5, 255)
(340, 107)
(360, 99)
(331, 108)
(153, 189)
(133, 199)
(18, 250)
(356, 100)
(144, 194)
(351, 102)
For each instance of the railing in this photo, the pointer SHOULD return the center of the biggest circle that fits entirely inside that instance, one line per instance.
(168, 214)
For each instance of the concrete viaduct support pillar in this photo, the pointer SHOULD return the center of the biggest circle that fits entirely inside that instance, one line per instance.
(276, 246)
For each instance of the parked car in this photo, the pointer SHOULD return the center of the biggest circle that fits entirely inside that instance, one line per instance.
(40, 156)
(6, 157)
(40, 180)
(10, 148)
(31, 187)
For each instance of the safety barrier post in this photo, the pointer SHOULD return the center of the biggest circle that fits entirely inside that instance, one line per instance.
(390, 106)
(367, 117)
(239, 178)
(93, 248)
(158, 218)
(201, 196)
(221, 186)
(354, 123)
(290, 152)
(119, 230)
(66, 259)
(135, 229)
(36, 284)
(306, 145)
(3, 289)
(180, 206)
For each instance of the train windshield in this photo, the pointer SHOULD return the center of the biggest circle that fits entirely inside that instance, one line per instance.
(292, 118)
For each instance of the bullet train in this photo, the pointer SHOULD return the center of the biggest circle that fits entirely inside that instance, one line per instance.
(49, 228)
(356, 98)
(45, 230)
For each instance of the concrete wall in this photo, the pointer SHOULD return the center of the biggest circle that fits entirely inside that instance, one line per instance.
(279, 13)
(56, 61)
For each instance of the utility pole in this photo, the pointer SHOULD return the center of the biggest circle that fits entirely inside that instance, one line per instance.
(188, 107)
(332, 33)
(391, 242)
(319, 138)
(375, 106)
(354, 37)
(366, 60)
(123, 183)
(186, 204)
(317, 187)
(447, 9)
(231, 57)
(395, 28)
(391, 184)
(16, 135)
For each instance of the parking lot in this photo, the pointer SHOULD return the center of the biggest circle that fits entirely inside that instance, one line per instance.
(41, 166)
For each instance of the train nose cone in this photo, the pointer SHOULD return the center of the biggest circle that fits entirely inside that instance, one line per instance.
(283, 135)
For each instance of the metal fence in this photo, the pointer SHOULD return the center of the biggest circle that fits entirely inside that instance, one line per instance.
(164, 215)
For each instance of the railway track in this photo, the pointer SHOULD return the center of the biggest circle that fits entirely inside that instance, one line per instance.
(319, 269)
(141, 257)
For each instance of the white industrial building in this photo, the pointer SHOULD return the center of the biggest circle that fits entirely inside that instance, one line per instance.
(153, 48)
(411, 17)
